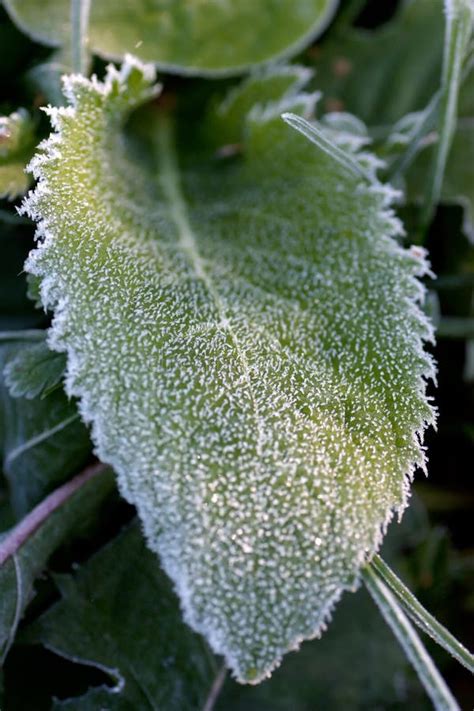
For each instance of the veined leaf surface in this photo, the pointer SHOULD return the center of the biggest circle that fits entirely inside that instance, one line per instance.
(34, 371)
(243, 335)
(203, 37)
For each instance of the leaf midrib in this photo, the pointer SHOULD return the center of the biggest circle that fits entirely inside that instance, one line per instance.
(170, 183)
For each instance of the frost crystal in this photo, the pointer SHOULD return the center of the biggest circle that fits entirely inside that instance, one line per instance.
(244, 337)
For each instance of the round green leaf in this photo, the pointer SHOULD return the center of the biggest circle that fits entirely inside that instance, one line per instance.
(210, 37)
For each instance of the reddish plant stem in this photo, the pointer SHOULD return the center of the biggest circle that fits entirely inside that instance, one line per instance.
(37, 516)
(215, 689)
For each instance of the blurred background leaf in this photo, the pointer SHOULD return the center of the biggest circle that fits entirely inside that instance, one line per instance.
(211, 38)
(119, 613)
(19, 571)
(43, 442)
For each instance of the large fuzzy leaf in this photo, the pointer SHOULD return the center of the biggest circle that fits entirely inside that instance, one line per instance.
(184, 36)
(243, 335)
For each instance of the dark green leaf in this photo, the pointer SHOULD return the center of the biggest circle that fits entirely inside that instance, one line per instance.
(383, 74)
(118, 612)
(43, 442)
(18, 572)
(201, 38)
(34, 371)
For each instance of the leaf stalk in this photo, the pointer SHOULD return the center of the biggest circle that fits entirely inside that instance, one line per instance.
(11, 543)
(80, 10)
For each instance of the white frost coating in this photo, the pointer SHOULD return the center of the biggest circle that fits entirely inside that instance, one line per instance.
(245, 340)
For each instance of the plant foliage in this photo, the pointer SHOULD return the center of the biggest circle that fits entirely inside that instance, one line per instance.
(246, 323)
(227, 318)
(201, 38)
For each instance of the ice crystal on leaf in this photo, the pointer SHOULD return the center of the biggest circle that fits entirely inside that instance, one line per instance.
(244, 337)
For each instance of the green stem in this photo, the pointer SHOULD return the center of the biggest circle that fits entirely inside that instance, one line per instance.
(458, 29)
(411, 644)
(419, 615)
(79, 41)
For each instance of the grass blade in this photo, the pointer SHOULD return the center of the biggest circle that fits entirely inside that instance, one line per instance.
(459, 24)
(316, 136)
(420, 616)
(411, 644)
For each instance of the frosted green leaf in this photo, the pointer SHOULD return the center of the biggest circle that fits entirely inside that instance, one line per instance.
(16, 148)
(200, 37)
(244, 337)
